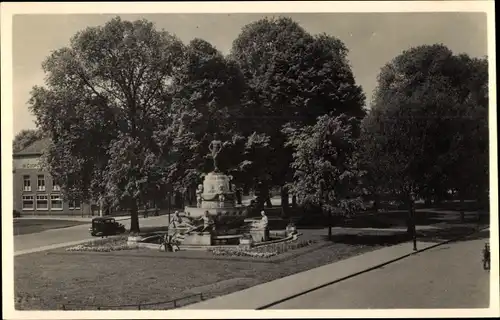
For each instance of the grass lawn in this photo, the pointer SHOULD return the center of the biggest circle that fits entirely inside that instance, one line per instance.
(27, 226)
(86, 280)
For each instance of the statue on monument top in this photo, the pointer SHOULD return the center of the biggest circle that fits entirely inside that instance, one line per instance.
(215, 147)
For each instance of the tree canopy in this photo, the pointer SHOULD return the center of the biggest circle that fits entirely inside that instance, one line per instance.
(24, 138)
(104, 105)
(131, 110)
(208, 92)
(293, 78)
(427, 105)
(325, 165)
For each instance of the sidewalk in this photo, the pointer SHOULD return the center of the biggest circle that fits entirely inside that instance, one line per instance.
(52, 246)
(265, 294)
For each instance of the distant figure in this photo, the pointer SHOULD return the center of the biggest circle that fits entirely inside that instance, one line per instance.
(238, 196)
(486, 256)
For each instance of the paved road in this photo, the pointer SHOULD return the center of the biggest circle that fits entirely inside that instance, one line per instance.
(449, 276)
(72, 234)
(57, 237)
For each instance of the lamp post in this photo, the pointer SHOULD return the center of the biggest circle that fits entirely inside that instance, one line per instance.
(169, 195)
(412, 220)
(323, 202)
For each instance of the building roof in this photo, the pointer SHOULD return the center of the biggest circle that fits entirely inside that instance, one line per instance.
(34, 149)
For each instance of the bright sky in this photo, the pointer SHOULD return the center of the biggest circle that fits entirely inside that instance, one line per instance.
(373, 39)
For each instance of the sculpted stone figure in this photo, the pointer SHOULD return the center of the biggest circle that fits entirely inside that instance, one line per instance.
(199, 199)
(221, 196)
(264, 221)
(215, 147)
(208, 224)
(178, 222)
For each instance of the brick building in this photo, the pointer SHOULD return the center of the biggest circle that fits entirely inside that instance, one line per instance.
(35, 192)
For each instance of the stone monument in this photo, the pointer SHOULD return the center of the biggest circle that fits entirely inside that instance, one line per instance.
(258, 229)
(215, 206)
(215, 148)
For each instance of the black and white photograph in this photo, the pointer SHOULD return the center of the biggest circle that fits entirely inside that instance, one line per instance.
(249, 157)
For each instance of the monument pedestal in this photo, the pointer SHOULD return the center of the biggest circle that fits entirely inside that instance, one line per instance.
(198, 239)
(259, 235)
(246, 243)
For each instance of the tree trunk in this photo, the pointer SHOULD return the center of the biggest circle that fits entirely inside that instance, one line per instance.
(409, 220)
(178, 201)
(191, 195)
(411, 227)
(437, 200)
(269, 204)
(134, 219)
(428, 201)
(482, 204)
(376, 203)
(294, 201)
(238, 196)
(284, 200)
(169, 206)
(461, 199)
(329, 226)
(267, 196)
(462, 206)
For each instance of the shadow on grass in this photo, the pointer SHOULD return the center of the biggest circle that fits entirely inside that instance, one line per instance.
(454, 206)
(369, 239)
(460, 233)
(385, 220)
(456, 233)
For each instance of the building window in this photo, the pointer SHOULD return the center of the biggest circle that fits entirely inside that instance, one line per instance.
(56, 202)
(74, 204)
(41, 183)
(26, 183)
(42, 202)
(55, 186)
(28, 203)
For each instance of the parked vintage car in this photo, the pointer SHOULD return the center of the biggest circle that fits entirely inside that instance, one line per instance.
(105, 226)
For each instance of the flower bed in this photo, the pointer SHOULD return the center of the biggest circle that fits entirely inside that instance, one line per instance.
(265, 251)
(104, 245)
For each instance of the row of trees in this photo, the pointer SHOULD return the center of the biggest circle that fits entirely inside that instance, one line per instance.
(427, 132)
(130, 111)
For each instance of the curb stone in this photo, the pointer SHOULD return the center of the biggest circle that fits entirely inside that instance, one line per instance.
(374, 267)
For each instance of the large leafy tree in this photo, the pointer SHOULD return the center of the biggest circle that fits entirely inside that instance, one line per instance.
(293, 77)
(466, 165)
(326, 173)
(105, 107)
(409, 138)
(208, 92)
(24, 138)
